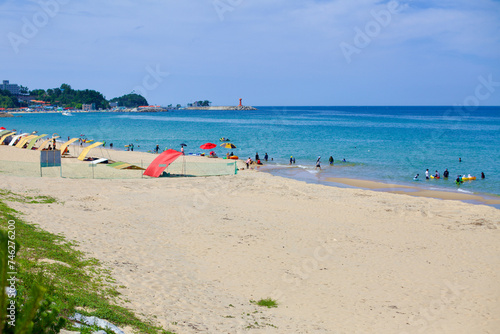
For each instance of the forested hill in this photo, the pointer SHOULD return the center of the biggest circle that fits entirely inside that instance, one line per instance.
(65, 96)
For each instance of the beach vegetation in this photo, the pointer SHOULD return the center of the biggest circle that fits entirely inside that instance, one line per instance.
(268, 302)
(54, 280)
(130, 101)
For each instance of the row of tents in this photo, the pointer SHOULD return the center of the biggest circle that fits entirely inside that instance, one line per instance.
(28, 141)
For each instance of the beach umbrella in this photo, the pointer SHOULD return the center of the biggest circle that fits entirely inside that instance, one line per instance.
(228, 145)
(183, 144)
(2, 128)
(207, 146)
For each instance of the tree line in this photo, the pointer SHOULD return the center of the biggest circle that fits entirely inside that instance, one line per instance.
(67, 97)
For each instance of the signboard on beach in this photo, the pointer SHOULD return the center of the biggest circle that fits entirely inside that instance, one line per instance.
(50, 158)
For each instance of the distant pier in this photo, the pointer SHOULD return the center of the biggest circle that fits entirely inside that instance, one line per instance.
(222, 108)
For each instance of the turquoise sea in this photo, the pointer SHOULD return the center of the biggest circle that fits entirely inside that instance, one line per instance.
(389, 144)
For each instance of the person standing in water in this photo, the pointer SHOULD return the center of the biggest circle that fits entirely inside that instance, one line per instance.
(482, 175)
(330, 160)
(427, 174)
(318, 163)
(266, 157)
(446, 173)
(291, 159)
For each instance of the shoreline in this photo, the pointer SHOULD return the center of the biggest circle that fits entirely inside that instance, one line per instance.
(418, 191)
(396, 188)
(89, 111)
(145, 157)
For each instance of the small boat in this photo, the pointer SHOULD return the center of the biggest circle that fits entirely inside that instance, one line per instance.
(67, 113)
(468, 178)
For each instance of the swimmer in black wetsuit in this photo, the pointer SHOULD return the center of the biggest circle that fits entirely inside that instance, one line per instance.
(446, 173)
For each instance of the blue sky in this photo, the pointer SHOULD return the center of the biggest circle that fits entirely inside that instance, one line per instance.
(282, 52)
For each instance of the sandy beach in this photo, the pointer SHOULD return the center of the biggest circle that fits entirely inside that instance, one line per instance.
(194, 251)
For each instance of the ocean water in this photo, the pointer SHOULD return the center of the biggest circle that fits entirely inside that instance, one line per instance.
(389, 144)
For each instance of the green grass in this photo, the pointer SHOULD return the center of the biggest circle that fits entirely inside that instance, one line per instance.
(81, 283)
(268, 302)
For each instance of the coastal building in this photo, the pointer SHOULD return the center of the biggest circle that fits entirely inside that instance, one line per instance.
(14, 89)
(88, 107)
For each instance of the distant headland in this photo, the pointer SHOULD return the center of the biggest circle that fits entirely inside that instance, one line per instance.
(19, 99)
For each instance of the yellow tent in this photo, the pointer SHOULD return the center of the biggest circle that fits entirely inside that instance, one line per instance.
(33, 141)
(87, 149)
(66, 144)
(24, 140)
(5, 137)
(42, 145)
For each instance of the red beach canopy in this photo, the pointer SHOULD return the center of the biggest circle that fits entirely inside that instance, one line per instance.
(207, 146)
(161, 162)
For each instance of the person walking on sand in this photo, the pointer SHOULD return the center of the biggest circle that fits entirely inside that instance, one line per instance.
(330, 160)
(248, 162)
(318, 163)
(427, 174)
(182, 150)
